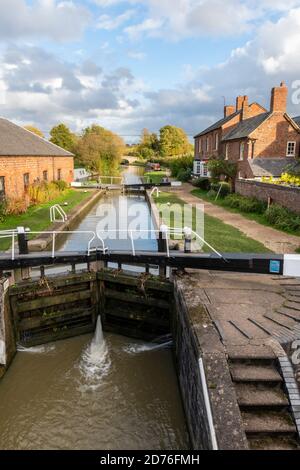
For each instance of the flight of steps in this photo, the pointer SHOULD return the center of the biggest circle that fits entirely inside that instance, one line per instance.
(263, 401)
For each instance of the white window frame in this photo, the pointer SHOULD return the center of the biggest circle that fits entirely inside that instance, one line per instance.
(242, 150)
(294, 144)
(226, 151)
(197, 167)
(207, 144)
(216, 141)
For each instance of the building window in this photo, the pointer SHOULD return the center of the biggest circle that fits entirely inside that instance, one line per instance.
(216, 141)
(242, 148)
(226, 151)
(2, 187)
(207, 144)
(291, 149)
(26, 180)
(199, 145)
(45, 175)
(59, 174)
(252, 150)
(197, 167)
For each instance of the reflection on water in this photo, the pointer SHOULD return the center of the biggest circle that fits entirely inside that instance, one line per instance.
(58, 400)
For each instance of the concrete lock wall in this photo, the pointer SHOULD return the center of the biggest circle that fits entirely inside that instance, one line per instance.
(285, 196)
(7, 338)
(187, 353)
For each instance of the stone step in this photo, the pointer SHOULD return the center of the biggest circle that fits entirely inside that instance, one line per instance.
(268, 422)
(252, 395)
(254, 373)
(292, 305)
(247, 353)
(273, 443)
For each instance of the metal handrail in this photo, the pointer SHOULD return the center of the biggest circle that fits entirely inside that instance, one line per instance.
(61, 212)
(167, 231)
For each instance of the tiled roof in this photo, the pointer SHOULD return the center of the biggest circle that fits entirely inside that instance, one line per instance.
(271, 166)
(246, 127)
(217, 124)
(17, 141)
(297, 120)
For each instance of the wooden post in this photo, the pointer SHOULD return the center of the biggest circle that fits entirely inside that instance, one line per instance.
(22, 241)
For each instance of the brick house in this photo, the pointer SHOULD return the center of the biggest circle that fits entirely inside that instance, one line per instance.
(261, 142)
(26, 158)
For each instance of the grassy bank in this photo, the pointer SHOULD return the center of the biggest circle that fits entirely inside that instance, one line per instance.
(257, 217)
(155, 176)
(37, 217)
(221, 236)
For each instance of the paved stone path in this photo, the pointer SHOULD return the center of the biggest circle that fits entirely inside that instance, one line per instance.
(247, 309)
(274, 240)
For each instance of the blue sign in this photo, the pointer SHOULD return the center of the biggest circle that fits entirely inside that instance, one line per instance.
(274, 267)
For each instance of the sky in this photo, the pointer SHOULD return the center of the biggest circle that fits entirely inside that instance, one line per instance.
(134, 64)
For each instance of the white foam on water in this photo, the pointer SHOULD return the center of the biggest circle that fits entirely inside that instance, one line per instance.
(140, 348)
(95, 361)
(44, 348)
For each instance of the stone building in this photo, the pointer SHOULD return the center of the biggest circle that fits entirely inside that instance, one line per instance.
(259, 140)
(26, 158)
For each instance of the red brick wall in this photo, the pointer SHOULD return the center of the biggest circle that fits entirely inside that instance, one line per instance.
(13, 169)
(287, 197)
(272, 137)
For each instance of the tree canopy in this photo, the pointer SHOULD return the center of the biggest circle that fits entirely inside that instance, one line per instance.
(35, 130)
(173, 141)
(100, 150)
(63, 137)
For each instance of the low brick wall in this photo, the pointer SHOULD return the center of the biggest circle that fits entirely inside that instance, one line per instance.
(286, 197)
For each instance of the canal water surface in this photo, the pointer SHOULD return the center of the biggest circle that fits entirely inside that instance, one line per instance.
(113, 393)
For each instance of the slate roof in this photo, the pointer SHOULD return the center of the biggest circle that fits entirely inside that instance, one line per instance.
(246, 127)
(297, 120)
(17, 141)
(217, 124)
(271, 166)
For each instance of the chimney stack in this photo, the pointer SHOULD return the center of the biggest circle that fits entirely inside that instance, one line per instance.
(279, 98)
(245, 109)
(239, 102)
(228, 110)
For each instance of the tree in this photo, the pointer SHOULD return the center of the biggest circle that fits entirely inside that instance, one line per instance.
(35, 130)
(63, 137)
(173, 141)
(100, 150)
(149, 145)
(219, 167)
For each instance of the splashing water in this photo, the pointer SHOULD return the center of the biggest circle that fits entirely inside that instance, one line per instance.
(140, 348)
(95, 362)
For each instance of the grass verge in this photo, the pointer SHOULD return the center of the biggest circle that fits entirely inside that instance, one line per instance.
(260, 218)
(155, 176)
(221, 236)
(37, 217)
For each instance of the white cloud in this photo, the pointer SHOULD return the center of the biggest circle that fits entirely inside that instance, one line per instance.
(113, 22)
(54, 19)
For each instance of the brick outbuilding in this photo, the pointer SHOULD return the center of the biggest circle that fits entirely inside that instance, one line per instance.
(26, 158)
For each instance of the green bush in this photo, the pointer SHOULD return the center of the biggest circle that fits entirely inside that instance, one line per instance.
(245, 204)
(181, 163)
(62, 185)
(212, 193)
(184, 175)
(282, 218)
(225, 188)
(202, 183)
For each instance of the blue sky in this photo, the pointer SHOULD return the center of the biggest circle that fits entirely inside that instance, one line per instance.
(143, 63)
